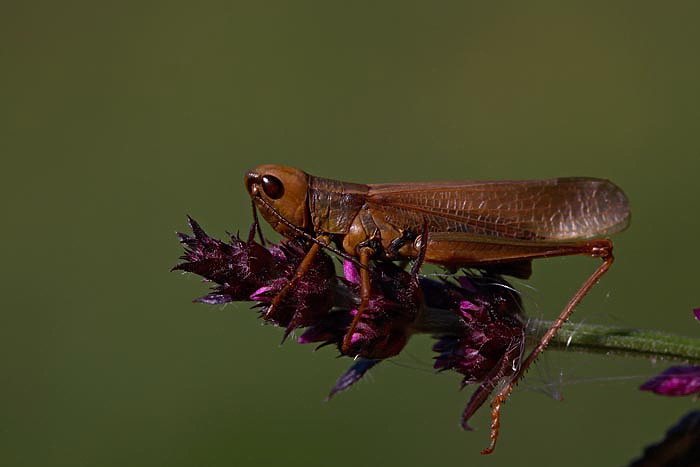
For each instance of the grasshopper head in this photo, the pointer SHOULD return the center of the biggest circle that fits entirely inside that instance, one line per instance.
(284, 189)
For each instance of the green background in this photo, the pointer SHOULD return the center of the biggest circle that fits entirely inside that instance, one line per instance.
(119, 118)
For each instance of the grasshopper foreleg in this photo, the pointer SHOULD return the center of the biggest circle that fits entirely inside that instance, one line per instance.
(302, 269)
(365, 288)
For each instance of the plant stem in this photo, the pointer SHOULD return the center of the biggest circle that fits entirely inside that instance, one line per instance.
(616, 340)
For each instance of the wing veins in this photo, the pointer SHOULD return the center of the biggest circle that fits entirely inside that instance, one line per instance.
(487, 225)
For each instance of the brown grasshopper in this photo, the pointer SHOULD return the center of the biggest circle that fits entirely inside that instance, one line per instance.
(498, 226)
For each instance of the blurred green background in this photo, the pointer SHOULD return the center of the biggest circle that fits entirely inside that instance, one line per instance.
(118, 118)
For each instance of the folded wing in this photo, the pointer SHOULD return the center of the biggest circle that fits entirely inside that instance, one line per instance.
(560, 209)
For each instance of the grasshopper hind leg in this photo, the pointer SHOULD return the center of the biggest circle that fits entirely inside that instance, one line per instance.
(601, 249)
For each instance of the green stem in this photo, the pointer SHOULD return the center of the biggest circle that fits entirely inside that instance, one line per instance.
(617, 340)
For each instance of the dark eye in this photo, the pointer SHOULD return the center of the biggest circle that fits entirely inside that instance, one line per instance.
(272, 186)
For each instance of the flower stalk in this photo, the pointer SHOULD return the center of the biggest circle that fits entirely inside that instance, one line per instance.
(594, 338)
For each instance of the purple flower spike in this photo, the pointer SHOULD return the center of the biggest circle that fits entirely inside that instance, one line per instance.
(675, 381)
(491, 325)
(328, 330)
(696, 312)
(247, 271)
(489, 344)
(308, 300)
(239, 268)
(482, 341)
(385, 326)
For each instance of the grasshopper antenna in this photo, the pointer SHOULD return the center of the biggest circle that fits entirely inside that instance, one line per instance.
(257, 224)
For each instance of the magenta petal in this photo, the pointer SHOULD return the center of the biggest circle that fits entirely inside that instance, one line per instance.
(466, 305)
(350, 272)
(314, 334)
(259, 295)
(696, 312)
(304, 339)
(675, 381)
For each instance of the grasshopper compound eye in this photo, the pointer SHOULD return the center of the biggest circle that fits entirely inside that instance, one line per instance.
(272, 186)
